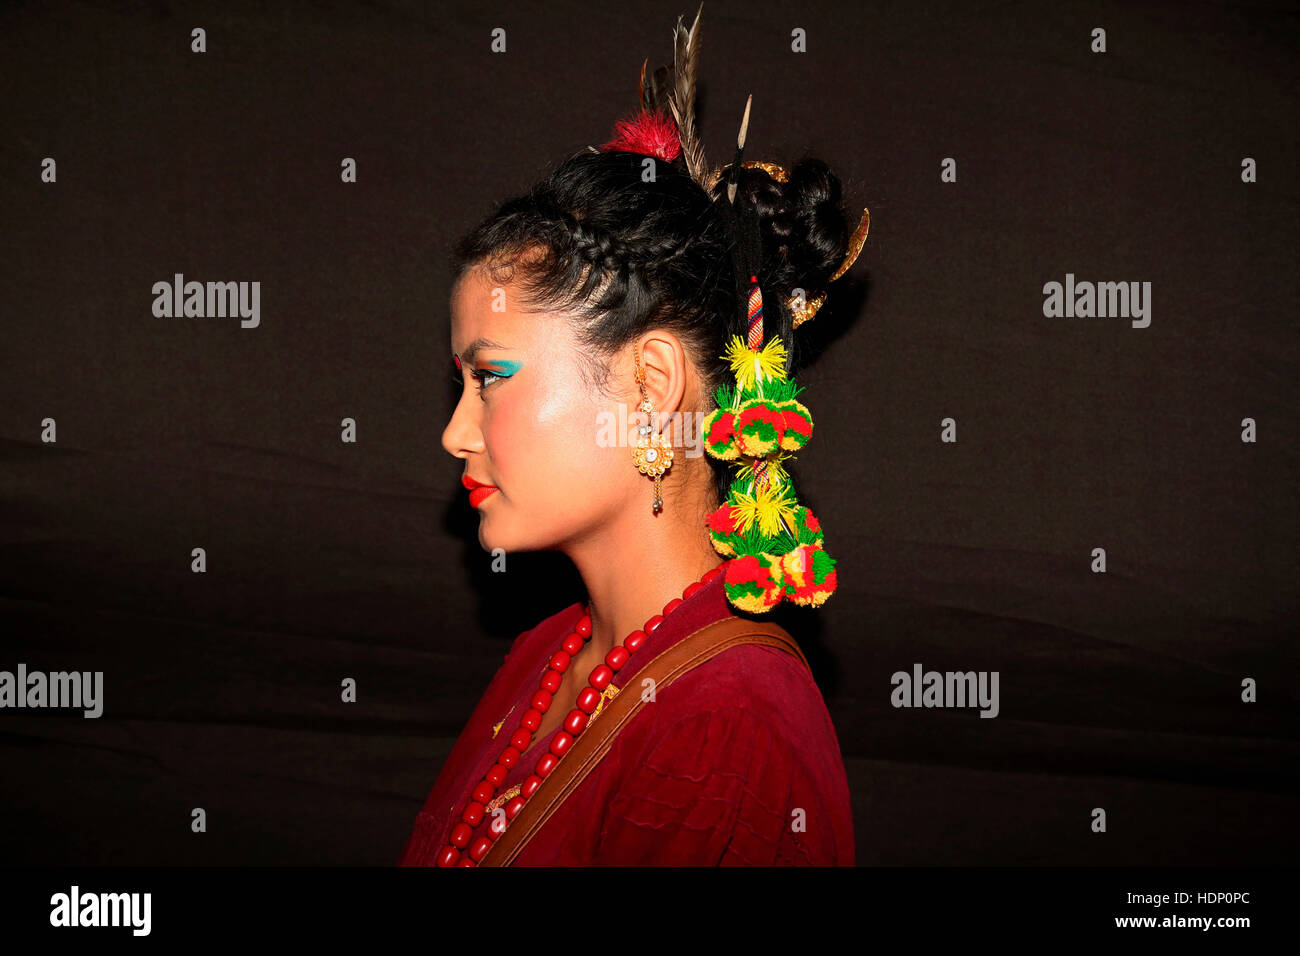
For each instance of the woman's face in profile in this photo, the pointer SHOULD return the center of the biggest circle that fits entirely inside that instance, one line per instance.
(527, 423)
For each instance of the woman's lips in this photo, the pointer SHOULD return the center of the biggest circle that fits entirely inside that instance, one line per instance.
(477, 495)
(477, 490)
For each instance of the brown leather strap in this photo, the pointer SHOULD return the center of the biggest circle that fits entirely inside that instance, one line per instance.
(595, 742)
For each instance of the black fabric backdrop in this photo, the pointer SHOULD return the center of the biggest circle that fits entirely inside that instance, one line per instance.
(328, 560)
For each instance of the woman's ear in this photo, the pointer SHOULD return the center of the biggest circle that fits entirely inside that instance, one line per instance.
(667, 368)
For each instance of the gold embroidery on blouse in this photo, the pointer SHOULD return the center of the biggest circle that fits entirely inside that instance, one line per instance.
(496, 728)
(502, 799)
(609, 693)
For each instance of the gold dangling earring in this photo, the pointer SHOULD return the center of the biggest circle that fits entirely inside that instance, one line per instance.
(650, 452)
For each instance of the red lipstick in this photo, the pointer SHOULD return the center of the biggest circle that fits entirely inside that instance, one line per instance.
(478, 491)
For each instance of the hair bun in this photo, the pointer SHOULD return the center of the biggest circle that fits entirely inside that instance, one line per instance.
(805, 226)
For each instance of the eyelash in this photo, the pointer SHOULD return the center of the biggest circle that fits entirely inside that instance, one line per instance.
(479, 375)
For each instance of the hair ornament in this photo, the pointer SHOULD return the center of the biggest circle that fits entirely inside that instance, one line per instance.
(776, 545)
(652, 133)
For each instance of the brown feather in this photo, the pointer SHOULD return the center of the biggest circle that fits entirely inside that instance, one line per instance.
(686, 52)
(661, 85)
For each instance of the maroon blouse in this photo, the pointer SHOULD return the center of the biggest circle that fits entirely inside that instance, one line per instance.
(712, 773)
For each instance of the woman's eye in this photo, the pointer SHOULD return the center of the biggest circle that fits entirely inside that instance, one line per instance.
(481, 376)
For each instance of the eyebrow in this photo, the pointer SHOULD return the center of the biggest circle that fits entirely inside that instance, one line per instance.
(476, 346)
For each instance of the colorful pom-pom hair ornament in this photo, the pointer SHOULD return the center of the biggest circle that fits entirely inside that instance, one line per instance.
(775, 544)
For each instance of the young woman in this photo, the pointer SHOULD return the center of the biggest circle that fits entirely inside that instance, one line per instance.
(605, 289)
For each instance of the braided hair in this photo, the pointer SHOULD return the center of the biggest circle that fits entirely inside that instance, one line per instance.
(623, 255)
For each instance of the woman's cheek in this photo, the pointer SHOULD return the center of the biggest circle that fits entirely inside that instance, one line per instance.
(532, 440)
(500, 435)
(565, 427)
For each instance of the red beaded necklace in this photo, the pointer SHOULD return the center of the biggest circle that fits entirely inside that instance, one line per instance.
(573, 726)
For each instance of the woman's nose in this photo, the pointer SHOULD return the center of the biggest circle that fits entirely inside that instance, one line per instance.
(462, 434)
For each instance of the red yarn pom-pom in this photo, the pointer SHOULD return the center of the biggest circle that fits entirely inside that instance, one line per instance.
(652, 133)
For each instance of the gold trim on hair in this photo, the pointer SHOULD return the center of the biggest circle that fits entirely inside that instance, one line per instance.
(855, 244)
(809, 309)
(774, 170)
(805, 310)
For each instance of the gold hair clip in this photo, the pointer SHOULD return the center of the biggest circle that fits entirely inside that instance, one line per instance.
(804, 311)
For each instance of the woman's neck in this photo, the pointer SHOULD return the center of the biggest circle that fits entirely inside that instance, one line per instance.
(636, 565)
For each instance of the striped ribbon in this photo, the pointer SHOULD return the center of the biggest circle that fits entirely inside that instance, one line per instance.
(755, 314)
(755, 343)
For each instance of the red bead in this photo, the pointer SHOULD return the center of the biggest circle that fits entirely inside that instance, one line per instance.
(617, 657)
(497, 775)
(691, 589)
(713, 573)
(584, 626)
(588, 700)
(601, 677)
(513, 807)
(546, 764)
(575, 722)
(509, 757)
(482, 793)
(460, 834)
(473, 814)
(480, 848)
(654, 622)
(634, 640)
(529, 786)
(551, 682)
(561, 743)
(532, 718)
(672, 605)
(448, 856)
(560, 662)
(465, 861)
(520, 739)
(541, 702)
(572, 644)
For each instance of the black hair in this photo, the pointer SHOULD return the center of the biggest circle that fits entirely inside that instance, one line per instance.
(623, 254)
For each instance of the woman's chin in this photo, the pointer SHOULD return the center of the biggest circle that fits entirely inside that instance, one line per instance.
(490, 539)
(496, 539)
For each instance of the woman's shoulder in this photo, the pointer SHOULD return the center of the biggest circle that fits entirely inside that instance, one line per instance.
(767, 682)
(713, 769)
(752, 688)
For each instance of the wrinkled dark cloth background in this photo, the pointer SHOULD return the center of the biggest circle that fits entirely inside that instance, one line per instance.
(328, 561)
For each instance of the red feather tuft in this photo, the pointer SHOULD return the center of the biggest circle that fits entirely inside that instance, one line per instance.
(652, 133)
